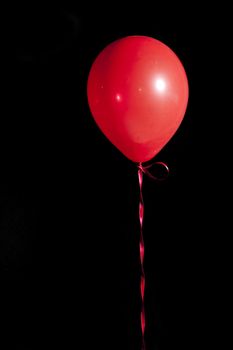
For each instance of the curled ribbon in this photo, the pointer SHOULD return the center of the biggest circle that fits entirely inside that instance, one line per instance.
(144, 169)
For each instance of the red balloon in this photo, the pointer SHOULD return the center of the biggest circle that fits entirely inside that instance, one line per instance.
(138, 93)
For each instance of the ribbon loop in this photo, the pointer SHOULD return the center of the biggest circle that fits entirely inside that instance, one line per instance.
(160, 170)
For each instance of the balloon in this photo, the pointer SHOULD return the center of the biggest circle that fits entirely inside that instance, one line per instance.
(137, 92)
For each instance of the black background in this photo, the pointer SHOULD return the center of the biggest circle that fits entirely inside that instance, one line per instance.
(69, 259)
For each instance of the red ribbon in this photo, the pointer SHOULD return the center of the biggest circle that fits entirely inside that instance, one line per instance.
(145, 170)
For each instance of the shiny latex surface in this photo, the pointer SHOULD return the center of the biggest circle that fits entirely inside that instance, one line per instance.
(137, 92)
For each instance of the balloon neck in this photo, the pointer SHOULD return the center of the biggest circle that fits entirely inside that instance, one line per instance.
(140, 166)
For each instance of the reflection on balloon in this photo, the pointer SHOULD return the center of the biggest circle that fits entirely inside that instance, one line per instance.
(160, 85)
